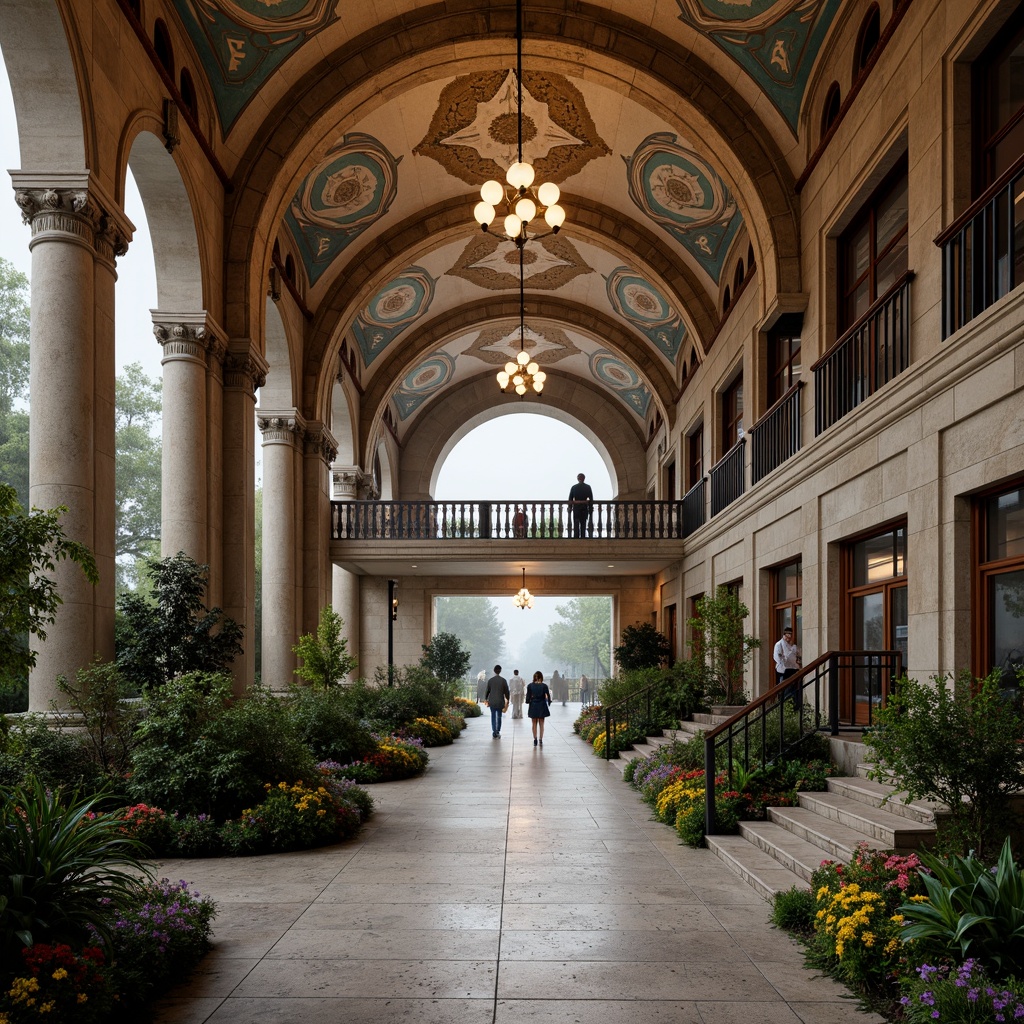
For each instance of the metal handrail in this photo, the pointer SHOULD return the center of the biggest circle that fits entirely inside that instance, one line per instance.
(749, 727)
(613, 714)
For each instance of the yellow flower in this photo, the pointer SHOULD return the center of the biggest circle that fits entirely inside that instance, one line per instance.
(47, 1007)
(60, 974)
(918, 899)
(82, 998)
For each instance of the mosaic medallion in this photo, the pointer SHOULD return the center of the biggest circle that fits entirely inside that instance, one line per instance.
(241, 42)
(776, 41)
(473, 133)
(642, 305)
(392, 310)
(419, 384)
(624, 381)
(351, 188)
(493, 263)
(680, 191)
(498, 343)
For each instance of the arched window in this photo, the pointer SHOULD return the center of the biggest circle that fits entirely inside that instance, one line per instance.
(727, 300)
(289, 268)
(737, 278)
(830, 111)
(750, 258)
(187, 89)
(867, 39)
(162, 45)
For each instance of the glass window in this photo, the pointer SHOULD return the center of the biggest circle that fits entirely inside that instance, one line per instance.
(1000, 91)
(999, 585)
(879, 558)
(695, 457)
(784, 366)
(1006, 526)
(732, 414)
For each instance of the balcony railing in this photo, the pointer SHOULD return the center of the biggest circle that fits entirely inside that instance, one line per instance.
(694, 507)
(983, 251)
(728, 477)
(775, 437)
(503, 520)
(870, 354)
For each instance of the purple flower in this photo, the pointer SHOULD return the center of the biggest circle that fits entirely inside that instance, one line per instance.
(928, 998)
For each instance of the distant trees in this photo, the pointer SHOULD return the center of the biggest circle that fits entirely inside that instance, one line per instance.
(582, 640)
(474, 620)
(14, 370)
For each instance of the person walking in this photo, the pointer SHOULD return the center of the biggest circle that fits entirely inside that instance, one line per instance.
(481, 687)
(788, 662)
(497, 699)
(518, 687)
(538, 699)
(584, 690)
(581, 503)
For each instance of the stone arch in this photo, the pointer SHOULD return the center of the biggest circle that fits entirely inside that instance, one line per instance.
(388, 481)
(342, 424)
(425, 44)
(278, 393)
(615, 436)
(41, 68)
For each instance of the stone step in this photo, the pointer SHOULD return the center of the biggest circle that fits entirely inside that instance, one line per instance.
(885, 829)
(759, 870)
(798, 855)
(876, 794)
(834, 840)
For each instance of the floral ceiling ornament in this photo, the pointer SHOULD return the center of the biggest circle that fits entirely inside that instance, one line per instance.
(492, 262)
(391, 311)
(420, 383)
(608, 369)
(496, 343)
(639, 303)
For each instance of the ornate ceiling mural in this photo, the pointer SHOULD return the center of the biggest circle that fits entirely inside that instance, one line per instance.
(644, 307)
(682, 193)
(775, 41)
(242, 42)
(499, 342)
(418, 385)
(350, 189)
(473, 133)
(623, 380)
(493, 263)
(391, 311)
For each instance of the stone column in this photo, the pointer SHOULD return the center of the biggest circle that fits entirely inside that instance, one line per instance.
(320, 450)
(185, 339)
(282, 437)
(71, 426)
(345, 585)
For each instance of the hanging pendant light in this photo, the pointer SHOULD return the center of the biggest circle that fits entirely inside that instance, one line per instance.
(524, 599)
(525, 373)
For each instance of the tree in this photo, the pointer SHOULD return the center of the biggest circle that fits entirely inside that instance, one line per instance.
(325, 657)
(137, 407)
(720, 649)
(31, 544)
(642, 647)
(173, 632)
(474, 620)
(14, 377)
(446, 658)
(582, 640)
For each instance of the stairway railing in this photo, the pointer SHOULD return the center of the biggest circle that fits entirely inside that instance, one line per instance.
(634, 710)
(763, 731)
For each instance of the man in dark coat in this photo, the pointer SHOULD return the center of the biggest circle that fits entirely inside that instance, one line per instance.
(497, 694)
(581, 501)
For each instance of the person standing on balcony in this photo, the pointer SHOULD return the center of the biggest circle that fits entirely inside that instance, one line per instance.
(497, 699)
(518, 688)
(788, 662)
(519, 527)
(581, 503)
(538, 698)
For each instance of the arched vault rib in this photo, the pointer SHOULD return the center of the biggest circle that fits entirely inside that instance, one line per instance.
(575, 402)
(350, 82)
(477, 315)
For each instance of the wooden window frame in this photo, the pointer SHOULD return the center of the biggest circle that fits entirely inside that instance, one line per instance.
(732, 413)
(985, 136)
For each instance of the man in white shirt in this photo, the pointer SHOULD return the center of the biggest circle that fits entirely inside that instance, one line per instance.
(787, 663)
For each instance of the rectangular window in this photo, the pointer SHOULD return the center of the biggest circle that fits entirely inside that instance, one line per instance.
(695, 456)
(670, 481)
(999, 92)
(783, 364)
(787, 586)
(732, 414)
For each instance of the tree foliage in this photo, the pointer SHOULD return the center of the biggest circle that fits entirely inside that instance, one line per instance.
(173, 632)
(721, 650)
(324, 655)
(582, 640)
(446, 658)
(642, 646)
(31, 544)
(14, 379)
(137, 408)
(474, 620)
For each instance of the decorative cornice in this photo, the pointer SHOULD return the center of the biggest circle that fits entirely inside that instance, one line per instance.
(281, 427)
(320, 441)
(245, 371)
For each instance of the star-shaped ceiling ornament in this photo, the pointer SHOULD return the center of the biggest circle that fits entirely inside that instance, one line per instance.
(493, 263)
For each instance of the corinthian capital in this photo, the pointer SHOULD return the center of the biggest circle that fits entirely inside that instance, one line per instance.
(245, 371)
(320, 441)
(182, 340)
(285, 427)
(66, 211)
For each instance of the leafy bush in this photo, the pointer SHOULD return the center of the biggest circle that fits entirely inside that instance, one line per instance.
(415, 694)
(971, 912)
(58, 860)
(721, 649)
(963, 994)
(468, 708)
(31, 750)
(432, 732)
(194, 835)
(680, 694)
(642, 646)
(71, 985)
(793, 910)
(325, 723)
(611, 691)
(446, 658)
(149, 826)
(294, 817)
(958, 743)
(324, 657)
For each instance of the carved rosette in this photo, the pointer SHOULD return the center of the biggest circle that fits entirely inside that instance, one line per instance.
(320, 441)
(184, 341)
(281, 428)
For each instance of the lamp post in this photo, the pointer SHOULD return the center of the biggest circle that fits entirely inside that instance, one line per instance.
(392, 615)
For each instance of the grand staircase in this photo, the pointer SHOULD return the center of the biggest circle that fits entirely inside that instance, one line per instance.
(775, 855)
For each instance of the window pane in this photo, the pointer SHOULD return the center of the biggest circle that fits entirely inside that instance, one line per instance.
(1006, 526)
(891, 267)
(858, 303)
(1007, 604)
(858, 255)
(873, 560)
(789, 581)
(892, 215)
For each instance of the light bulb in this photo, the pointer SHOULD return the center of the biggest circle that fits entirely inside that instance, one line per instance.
(510, 367)
(517, 380)
(522, 359)
(555, 217)
(491, 192)
(502, 379)
(532, 369)
(520, 389)
(484, 214)
(538, 386)
(513, 225)
(548, 193)
(540, 377)
(526, 210)
(520, 175)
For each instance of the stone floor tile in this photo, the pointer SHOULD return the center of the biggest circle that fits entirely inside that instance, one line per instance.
(350, 1011)
(401, 915)
(387, 944)
(574, 1011)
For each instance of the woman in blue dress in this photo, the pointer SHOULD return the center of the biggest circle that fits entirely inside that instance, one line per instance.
(538, 697)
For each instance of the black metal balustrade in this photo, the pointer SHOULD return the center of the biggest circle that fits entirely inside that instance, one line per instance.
(503, 520)
(694, 507)
(775, 437)
(840, 691)
(870, 354)
(983, 251)
(728, 478)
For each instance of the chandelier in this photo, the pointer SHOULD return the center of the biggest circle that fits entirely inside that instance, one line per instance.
(524, 373)
(521, 201)
(524, 599)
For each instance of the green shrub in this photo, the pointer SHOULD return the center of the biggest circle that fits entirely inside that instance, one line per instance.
(325, 723)
(961, 993)
(793, 910)
(194, 835)
(958, 743)
(57, 759)
(324, 657)
(680, 694)
(626, 683)
(433, 732)
(468, 708)
(148, 826)
(415, 694)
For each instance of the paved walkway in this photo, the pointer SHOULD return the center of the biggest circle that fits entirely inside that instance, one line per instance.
(508, 884)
